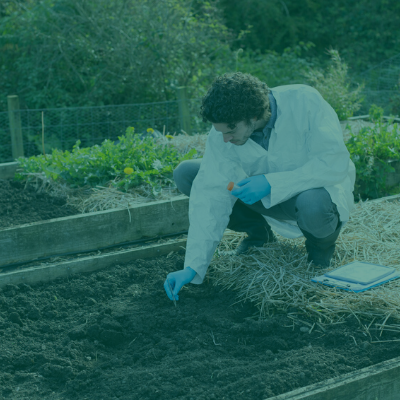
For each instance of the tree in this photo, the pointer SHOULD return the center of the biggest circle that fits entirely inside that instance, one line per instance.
(94, 52)
(365, 32)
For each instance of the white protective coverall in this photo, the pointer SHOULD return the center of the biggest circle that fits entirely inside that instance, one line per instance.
(306, 151)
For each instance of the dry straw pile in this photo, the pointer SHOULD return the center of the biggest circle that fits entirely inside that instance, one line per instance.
(277, 276)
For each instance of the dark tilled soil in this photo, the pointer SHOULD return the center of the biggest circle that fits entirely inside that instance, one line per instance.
(114, 334)
(22, 206)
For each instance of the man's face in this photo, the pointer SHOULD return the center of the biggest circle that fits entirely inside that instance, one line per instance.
(237, 136)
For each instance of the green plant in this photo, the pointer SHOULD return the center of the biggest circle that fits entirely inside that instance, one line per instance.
(272, 68)
(375, 113)
(81, 53)
(125, 165)
(371, 150)
(334, 87)
(275, 25)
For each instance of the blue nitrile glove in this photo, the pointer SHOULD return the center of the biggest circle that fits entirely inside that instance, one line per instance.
(177, 279)
(254, 189)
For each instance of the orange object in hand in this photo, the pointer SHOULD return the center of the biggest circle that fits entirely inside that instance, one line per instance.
(232, 186)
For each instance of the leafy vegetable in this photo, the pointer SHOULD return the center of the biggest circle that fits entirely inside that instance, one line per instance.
(124, 165)
(373, 150)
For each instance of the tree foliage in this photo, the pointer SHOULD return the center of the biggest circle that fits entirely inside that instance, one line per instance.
(57, 53)
(335, 88)
(93, 52)
(365, 32)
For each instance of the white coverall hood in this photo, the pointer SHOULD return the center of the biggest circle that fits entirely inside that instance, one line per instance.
(306, 151)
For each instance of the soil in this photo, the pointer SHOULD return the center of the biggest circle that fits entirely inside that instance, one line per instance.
(22, 206)
(115, 334)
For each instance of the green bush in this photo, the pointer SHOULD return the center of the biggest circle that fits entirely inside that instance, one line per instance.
(364, 31)
(125, 165)
(272, 68)
(370, 150)
(276, 69)
(334, 87)
(72, 53)
(292, 67)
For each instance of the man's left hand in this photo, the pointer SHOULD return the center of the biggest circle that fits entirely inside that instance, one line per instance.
(253, 189)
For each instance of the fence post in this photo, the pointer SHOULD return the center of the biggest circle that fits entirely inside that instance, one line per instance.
(15, 127)
(184, 115)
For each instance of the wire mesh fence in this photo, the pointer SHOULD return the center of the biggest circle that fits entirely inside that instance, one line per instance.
(389, 100)
(384, 76)
(382, 86)
(92, 125)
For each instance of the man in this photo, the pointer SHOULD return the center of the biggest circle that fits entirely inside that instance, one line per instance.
(284, 148)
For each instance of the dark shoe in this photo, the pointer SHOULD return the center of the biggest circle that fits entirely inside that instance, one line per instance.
(248, 243)
(320, 251)
(244, 219)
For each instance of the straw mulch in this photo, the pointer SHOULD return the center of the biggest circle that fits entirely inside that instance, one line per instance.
(276, 277)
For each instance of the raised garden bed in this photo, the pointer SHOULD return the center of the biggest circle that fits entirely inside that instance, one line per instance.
(36, 226)
(114, 334)
(83, 232)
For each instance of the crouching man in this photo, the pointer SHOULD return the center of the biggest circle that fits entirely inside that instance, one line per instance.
(284, 149)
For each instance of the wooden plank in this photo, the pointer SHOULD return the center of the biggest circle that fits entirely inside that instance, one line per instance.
(47, 273)
(184, 114)
(395, 197)
(93, 231)
(377, 382)
(14, 116)
(367, 117)
(7, 170)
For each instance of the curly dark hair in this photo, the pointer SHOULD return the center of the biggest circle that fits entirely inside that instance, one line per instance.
(235, 97)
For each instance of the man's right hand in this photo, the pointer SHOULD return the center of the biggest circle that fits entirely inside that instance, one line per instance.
(177, 279)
